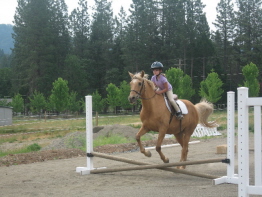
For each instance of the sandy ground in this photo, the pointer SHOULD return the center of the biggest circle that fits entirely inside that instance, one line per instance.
(59, 178)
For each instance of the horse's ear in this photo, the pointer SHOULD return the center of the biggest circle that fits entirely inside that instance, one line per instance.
(142, 73)
(131, 75)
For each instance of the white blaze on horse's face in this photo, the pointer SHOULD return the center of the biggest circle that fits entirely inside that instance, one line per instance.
(135, 90)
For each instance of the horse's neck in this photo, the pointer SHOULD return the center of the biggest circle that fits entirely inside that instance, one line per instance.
(151, 99)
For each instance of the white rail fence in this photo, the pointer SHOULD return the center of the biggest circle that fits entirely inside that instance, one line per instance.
(243, 177)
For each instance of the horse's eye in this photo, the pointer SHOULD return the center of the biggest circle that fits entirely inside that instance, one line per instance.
(139, 83)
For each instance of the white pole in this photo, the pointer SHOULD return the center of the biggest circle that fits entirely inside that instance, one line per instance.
(231, 135)
(231, 177)
(89, 138)
(89, 132)
(243, 145)
(257, 145)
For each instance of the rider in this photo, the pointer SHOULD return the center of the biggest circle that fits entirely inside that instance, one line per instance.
(163, 86)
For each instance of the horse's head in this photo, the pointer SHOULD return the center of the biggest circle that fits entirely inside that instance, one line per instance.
(136, 86)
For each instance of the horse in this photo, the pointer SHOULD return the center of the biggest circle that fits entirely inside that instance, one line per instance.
(155, 116)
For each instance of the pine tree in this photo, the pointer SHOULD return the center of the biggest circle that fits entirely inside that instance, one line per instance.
(199, 46)
(80, 29)
(225, 24)
(173, 31)
(142, 45)
(100, 47)
(250, 72)
(41, 43)
(211, 88)
(249, 24)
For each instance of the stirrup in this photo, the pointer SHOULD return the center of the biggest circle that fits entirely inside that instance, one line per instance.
(179, 115)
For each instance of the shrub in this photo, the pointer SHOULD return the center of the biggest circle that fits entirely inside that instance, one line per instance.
(34, 147)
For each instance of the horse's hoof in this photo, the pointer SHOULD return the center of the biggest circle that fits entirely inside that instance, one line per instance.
(181, 167)
(148, 153)
(166, 160)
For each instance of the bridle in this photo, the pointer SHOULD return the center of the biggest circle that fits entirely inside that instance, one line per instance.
(140, 91)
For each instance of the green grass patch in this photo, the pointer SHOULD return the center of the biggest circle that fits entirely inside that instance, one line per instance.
(122, 119)
(113, 139)
(28, 149)
(80, 141)
(34, 147)
(10, 140)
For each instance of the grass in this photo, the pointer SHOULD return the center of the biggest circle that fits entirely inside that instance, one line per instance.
(56, 128)
(28, 149)
(112, 139)
(102, 140)
(20, 126)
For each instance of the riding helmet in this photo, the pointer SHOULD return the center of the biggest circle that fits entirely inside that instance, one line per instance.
(158, 65)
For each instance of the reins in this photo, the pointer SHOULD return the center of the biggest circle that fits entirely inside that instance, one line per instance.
(140, 92)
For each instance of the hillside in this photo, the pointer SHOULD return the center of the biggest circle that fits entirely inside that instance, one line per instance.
(6, 40)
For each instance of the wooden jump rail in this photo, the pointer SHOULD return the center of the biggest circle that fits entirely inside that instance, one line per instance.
(165, 167)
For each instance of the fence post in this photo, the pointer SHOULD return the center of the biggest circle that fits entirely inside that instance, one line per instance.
(231, 177)
(89, 138)
(243, 139)
(231, 134)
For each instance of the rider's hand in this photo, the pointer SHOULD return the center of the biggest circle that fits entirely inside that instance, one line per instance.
(157, 92)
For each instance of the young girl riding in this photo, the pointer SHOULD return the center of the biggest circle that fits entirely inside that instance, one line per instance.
(163, 86)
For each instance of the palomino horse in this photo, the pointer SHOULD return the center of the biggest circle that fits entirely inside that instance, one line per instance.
(156, 117)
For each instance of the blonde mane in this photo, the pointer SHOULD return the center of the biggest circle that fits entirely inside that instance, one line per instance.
(145, 77)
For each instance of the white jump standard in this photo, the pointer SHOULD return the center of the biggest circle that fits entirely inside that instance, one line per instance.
(243, 177)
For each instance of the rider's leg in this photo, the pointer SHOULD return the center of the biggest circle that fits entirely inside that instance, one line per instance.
(174, 104)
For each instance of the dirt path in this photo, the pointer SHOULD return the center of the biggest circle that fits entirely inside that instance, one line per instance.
(59, 178)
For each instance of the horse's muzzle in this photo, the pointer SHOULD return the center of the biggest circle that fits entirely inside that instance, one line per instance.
(132, 99)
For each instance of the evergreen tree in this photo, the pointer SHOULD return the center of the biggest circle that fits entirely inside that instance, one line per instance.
(41, 43)
(74, 105)
(100, 47)
(59, 99)
(249, 24)
(211, 88)
(142, 44)
(199, 46)
(173, 31)
(250, 72)
(5, 82)
(17, 103)
(113, 94)
(225, 24)
(181, 83)
(59, 28)
(74, 72)
(123, 95)
(80, 27)
(97, 103)
(37, 102)
(118, 73)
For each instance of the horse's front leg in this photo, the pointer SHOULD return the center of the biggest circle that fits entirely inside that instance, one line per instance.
(141, 132)
(161, 136)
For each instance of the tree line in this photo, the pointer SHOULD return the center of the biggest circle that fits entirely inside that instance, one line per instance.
(91, 48)
(64, 100)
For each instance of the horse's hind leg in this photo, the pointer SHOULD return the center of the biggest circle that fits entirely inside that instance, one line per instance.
(183, 140)
(161, 136)
(141, 132)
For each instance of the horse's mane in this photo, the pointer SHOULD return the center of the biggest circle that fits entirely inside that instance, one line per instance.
(145, 77)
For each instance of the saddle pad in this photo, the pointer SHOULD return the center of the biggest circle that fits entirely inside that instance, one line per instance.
(181, 105)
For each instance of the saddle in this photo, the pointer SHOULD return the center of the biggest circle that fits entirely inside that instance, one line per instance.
(180, 104)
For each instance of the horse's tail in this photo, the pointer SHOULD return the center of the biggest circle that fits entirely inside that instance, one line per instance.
(205, 109)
